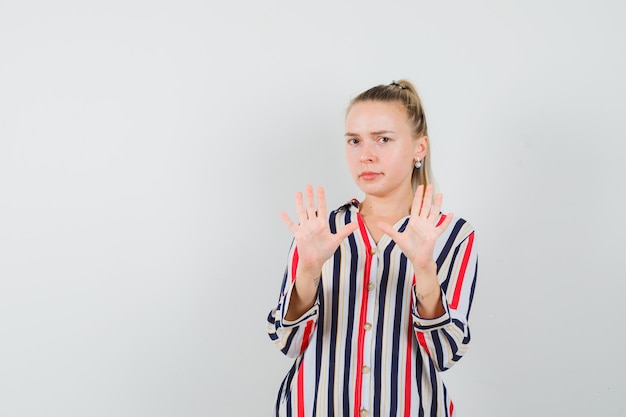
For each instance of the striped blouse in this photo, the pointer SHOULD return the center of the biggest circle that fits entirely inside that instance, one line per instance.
(363, 349)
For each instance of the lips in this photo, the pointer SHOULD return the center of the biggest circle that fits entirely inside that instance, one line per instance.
(369, 175)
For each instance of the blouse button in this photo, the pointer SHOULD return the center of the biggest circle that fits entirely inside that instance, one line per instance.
(363, 412)
(367, 326)
(365, 369)
(371, 286)
(373, 251)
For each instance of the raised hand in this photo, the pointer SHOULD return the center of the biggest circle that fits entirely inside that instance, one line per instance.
(314, 240)
(315, 243)
(417, 242)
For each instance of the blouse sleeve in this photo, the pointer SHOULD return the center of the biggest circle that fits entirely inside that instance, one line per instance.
(446, 339)
(291, 337)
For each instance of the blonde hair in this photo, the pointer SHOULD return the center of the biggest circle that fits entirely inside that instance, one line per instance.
(405, 94)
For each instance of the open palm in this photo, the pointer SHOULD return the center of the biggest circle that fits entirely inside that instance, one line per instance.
(418, 239)
(314, 240)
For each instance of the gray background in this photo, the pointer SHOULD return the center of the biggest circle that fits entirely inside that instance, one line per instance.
(146, 149)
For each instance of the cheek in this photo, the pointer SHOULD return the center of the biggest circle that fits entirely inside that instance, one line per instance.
(353, 162)
(404, 162)
(351, 154)
(350, 162)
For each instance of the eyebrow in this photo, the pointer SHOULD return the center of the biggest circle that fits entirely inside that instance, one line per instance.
(378, 132)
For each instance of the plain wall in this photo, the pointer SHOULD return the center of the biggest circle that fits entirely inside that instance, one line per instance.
(146, 149)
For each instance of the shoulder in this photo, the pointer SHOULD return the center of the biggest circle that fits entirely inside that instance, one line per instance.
(350, 205)
(348, 209)
(344, 214)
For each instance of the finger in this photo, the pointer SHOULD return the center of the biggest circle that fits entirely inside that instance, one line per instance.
(300, 208)
(310, 202)
(321, 203)
(388, 230)
(290, 225)
(436, 209)
(427, 201)
(417, 201)
(346, 231)
(445, 223)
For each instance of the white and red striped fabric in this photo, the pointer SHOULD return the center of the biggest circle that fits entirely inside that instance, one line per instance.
(362, 349)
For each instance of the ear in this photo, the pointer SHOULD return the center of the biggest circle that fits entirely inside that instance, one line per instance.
(421, 148)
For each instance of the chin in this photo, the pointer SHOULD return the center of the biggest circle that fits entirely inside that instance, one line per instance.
(376, 190)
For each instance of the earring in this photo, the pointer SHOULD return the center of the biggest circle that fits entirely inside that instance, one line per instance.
(418, 164)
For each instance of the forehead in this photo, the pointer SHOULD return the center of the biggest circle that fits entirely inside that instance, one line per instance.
(369, 116)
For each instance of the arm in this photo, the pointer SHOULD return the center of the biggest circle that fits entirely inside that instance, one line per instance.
(291, 333)
(292, 322)
(304, 292)
(445, 338)
(442, 288)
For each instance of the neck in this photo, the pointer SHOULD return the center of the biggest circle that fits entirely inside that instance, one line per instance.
(393, 206)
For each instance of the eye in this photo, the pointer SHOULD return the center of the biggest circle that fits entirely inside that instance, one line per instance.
(383, 139)
(353, 141)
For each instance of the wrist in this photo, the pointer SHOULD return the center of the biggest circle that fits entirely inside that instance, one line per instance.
(306, 284)
(309, 269)
(428, 301)
(425, 294)
(424, 268)
(426, 284)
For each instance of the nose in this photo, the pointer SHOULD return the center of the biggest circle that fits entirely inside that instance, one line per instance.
(367, 155)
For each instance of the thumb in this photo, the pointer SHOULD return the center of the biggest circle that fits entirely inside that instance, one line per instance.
(388, 230)
(446, 222)
(347, 230)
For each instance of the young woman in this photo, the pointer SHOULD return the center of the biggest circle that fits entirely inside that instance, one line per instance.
(376, 296)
